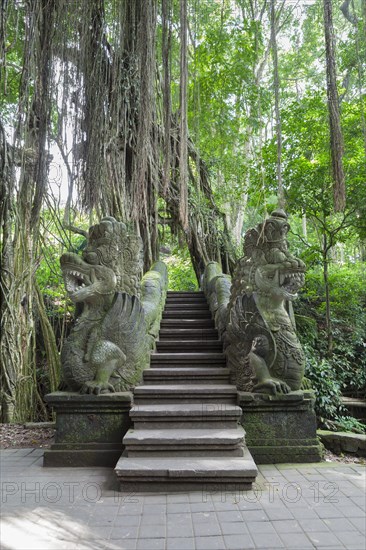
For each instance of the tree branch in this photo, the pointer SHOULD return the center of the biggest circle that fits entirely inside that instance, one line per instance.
(347, 14)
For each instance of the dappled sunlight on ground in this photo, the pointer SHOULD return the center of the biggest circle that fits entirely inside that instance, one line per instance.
(44, 528)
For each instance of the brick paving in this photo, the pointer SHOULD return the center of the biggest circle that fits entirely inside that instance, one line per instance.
(297, 507)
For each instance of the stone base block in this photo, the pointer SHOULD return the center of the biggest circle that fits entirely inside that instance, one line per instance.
(89, 428)
(343, 442)
(280, 429)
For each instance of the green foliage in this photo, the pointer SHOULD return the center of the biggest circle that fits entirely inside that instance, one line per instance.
(11, 71)
(181, 275)
(222, 89)
(327, 390)
(349, 424)
(345, 370)
(329, 408)
(347, 297)
(308, 328)
(53, 242)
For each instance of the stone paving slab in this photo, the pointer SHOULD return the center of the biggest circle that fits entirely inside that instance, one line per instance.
(295, 507)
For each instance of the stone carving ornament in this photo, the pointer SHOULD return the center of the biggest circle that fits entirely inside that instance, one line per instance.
(107, 347)
(264, 353)
(111, 245)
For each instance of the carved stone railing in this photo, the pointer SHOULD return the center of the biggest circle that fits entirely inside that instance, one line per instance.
(154, 286)
(254, 316)
(216, 286)
(118, 314)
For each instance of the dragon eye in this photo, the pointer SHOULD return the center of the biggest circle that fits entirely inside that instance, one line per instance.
(91, 258)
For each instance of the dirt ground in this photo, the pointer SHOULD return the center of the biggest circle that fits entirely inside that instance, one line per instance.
(15, 436)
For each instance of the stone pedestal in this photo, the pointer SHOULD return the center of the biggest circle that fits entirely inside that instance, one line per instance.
(89, 428)
(280, 429)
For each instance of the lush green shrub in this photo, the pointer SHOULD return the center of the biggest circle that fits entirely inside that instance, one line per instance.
(327, 388)
(344, 371)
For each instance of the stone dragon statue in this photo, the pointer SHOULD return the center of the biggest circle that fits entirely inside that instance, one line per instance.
(263, 351)
(109, 344)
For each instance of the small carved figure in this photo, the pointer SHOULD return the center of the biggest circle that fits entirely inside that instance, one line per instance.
(264, 353)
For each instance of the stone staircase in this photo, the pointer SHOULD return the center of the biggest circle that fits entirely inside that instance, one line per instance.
(186, 432)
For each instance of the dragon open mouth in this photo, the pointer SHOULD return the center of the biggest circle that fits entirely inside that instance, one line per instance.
(74, 280)
(292, 282)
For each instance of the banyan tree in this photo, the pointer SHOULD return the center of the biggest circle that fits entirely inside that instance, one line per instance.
(94, 77)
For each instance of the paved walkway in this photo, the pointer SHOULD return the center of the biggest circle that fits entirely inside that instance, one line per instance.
(292, 506)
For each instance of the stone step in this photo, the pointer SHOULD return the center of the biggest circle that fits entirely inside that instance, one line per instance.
(184, 474)
(187, 433)
(185, 442)
(188, 334)
(191, 346)
(184, 293)
(181, 375)
(191, 415)
(188, 359)
(178, 306)
(187, 314)
(186, 323)
(184, 393)
(185, 300)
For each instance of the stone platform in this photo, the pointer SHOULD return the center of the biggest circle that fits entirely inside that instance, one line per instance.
(282, 428)
(89, 428)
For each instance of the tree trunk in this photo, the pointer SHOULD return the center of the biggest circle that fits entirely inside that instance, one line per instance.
(276, 87)
(20, 398)
(328, 320)
(363, 251)
(336, 137)
(183, 130)
(304, 226)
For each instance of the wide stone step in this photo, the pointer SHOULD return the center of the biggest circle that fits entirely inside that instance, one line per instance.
(187, 314)
(185, 442)
(184, 474)
(188, 334)
(188, 345)
(188, 359)
(186, 323)
(186, 375)
(207, 415)
(185, 393)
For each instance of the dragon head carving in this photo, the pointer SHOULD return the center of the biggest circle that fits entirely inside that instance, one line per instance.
(86, 282)
(268, 268)
(111, 262)
(281, 281)
(110, 244)
(267, 279)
